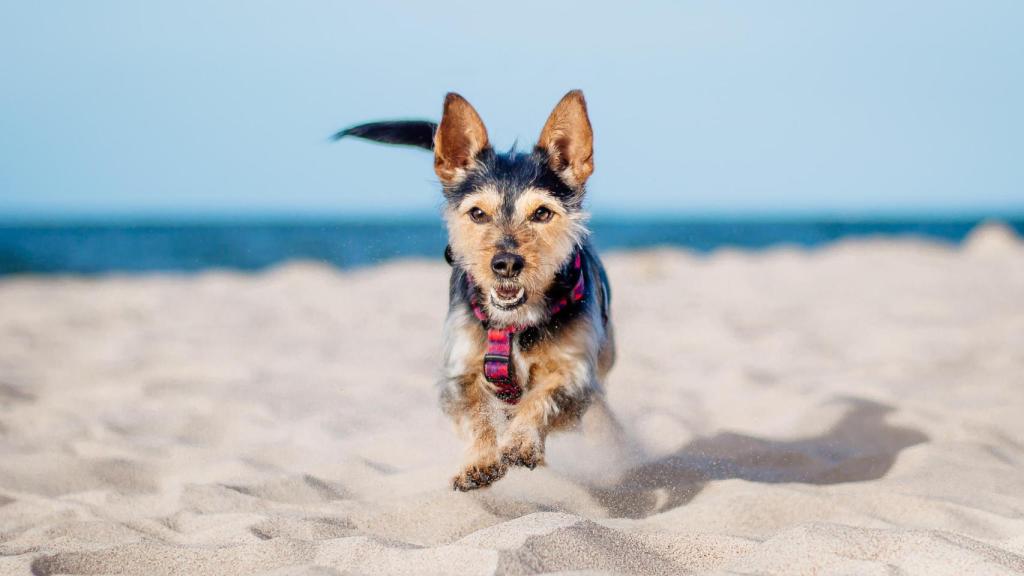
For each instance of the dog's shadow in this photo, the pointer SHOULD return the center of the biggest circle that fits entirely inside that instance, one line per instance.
(860, 446)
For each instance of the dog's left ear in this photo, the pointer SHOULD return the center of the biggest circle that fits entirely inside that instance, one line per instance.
(569, 141)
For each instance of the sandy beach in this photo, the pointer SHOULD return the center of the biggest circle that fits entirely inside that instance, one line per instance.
(854, 409)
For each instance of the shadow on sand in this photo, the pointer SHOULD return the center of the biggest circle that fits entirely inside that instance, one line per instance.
(861, 446)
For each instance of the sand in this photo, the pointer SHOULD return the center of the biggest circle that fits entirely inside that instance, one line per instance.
(855, 409)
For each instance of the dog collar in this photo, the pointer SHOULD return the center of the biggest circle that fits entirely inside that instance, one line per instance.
(498, 367)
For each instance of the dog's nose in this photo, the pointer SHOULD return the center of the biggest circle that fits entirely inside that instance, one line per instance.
(507, 265)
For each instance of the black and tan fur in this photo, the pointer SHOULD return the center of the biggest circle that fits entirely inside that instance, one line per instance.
(524, 208)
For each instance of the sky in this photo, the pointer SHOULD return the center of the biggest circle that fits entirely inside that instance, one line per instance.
(722, 108)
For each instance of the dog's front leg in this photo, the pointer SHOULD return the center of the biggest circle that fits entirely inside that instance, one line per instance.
(556, 399)
(483, 463)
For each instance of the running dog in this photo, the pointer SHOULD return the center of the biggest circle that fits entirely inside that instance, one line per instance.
(528, 339)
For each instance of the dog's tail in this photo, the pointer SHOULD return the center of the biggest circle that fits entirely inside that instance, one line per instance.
(418, 133)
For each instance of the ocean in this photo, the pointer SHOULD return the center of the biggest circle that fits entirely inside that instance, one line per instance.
(192, 246)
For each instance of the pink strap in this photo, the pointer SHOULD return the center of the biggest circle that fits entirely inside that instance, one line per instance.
(498, 368)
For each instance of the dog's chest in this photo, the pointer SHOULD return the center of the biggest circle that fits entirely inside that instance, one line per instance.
(536, 354)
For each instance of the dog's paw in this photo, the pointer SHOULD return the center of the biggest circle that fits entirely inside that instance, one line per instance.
(523, 450)
(478, 475)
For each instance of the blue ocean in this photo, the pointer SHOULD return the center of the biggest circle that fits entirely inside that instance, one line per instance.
(188, 247)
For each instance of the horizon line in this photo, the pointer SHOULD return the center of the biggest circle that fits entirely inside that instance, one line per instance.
(379, 218)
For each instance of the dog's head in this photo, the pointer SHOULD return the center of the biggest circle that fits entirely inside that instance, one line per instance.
(514, 218)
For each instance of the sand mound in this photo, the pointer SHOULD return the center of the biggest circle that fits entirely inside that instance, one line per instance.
(993, 238)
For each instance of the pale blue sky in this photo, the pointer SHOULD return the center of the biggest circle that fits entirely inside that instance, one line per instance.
(742, 108)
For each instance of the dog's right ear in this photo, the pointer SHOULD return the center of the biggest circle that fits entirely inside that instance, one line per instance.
(458, 140)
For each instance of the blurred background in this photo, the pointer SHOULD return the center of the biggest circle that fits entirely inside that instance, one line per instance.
(187, 135)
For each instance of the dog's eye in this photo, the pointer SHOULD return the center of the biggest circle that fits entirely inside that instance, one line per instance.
(542, 214)
(477, 215)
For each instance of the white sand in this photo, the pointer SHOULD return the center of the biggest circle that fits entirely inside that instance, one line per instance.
(852, 410)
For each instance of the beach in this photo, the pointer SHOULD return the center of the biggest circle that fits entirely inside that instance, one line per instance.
(856, 408)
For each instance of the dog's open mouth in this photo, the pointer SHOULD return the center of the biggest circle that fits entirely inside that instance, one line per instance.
(508, 296)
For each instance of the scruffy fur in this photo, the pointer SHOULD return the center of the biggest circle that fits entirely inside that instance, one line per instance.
(528, 205)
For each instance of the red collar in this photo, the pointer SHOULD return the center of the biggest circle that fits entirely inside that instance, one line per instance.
(498, 367)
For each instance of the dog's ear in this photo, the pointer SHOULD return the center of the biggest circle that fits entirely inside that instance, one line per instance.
(569, 141)
(418, 133)
(458, 140)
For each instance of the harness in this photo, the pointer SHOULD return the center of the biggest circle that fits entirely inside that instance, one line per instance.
(498, 366)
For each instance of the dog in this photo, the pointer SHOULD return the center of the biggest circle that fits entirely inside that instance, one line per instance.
(528, 340)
